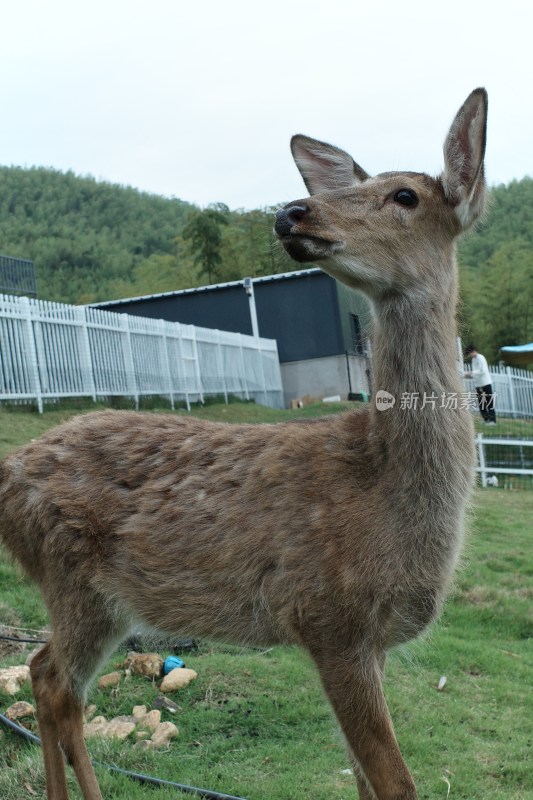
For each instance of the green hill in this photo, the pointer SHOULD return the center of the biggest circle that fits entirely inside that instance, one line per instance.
(85, 236)
(97, 241)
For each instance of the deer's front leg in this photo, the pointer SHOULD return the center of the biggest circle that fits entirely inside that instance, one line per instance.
(353, 686)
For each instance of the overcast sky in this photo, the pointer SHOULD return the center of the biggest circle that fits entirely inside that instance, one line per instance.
(199, 99)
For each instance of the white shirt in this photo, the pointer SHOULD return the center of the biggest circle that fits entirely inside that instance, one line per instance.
(480, 371)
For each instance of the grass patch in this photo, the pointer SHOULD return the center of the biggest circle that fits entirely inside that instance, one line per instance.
(514, 428)
(255, 724)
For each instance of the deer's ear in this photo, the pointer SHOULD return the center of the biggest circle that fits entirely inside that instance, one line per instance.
(464, 150)
(324, 167)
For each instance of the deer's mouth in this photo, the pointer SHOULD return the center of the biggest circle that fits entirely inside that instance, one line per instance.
(303, 247)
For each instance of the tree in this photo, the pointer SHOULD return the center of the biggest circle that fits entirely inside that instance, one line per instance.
(203, 229)
(498, 298)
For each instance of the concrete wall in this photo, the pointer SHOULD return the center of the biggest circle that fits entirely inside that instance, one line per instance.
(323, 377)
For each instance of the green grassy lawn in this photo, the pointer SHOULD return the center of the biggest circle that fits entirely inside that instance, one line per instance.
(255, 723)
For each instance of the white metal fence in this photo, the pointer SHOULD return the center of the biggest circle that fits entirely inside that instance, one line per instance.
(513, 389)
(51, 350)
(504, 457)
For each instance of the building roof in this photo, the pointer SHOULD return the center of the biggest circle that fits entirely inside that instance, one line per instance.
(195, 290)
(519, 354)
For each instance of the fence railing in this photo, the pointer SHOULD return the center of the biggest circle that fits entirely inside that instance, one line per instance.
(50, 350)
(513, 390)
(504, 457)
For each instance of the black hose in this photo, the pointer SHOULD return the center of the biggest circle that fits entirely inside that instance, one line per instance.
(19, 730)
(136, 776)
(24, 641)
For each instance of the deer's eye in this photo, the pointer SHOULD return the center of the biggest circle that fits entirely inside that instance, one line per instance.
(406, 197)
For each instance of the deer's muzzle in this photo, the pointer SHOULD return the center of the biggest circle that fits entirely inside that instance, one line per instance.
(286, 219)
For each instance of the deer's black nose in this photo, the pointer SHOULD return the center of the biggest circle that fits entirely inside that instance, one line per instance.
(287, 217)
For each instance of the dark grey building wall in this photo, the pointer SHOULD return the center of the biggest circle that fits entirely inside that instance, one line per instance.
(225, 308)
(302, 314)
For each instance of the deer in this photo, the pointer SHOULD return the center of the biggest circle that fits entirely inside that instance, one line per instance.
(340, 535)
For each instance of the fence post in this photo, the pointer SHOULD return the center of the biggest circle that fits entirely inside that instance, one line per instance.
(243, 368)
(220, 361)
(481, 459)
(197, 365)
(165, 362)
(460, 353)
(509, 374)
(182, 365)
(45, 380)
(88, 369)
(129, 363)
(32, 352)
(263, 379)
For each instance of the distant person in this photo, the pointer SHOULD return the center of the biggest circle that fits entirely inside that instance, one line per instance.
(483, 383)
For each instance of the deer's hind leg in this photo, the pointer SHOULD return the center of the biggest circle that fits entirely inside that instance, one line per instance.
(83, 636)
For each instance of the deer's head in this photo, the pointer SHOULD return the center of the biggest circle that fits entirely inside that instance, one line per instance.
(386, 233)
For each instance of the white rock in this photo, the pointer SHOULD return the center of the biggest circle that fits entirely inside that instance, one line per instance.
(12, 678)
(94, 727)
(111, 679)
(164, 732)
(151, 720)
(89, 712)
(139, 712)
(145, 744)
(148, 664)
(117, 729)
(20, 710)
(177, 679)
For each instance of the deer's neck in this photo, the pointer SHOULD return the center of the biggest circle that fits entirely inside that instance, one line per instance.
(415, 347)
(427, 433)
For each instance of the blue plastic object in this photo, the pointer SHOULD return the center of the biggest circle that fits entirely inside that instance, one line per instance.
(172, 662)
